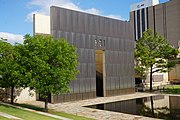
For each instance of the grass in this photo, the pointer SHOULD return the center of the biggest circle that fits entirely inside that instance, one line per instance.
(73, 117)
(3, 118)
(172, 89)
(26, 115)
(173, 86)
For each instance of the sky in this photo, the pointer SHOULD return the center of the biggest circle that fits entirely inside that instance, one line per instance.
(16, 15)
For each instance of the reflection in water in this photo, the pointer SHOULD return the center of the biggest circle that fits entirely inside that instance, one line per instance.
(163, 107)
(159, 112)
(152, 107)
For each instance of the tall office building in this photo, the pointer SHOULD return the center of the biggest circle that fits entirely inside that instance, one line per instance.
(162, 18)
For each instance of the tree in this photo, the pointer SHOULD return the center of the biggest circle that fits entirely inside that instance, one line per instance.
(153, 54)
(50, 62)
(10, 68)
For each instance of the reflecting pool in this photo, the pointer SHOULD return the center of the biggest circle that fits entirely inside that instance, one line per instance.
(159, 106)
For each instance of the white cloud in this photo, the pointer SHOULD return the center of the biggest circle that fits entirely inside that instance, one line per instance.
(44, 8)
(29, 17)
(12, 38)
(116, 17)
(93, 11)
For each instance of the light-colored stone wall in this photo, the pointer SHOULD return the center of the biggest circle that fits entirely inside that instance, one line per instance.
(41, 24)
(25, 95)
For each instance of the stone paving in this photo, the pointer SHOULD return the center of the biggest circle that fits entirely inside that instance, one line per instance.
(77, 108)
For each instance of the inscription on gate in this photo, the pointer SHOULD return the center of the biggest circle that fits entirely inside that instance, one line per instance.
(100, 44)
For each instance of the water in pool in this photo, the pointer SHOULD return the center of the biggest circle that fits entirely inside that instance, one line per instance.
(160, 106)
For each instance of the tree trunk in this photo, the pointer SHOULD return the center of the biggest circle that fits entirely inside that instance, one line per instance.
(12, 94)
(151, 79)
(46, 104)
(152, 106)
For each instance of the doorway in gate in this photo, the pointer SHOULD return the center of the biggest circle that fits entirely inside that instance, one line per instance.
(99, 73)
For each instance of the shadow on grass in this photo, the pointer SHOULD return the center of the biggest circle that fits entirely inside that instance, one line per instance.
(7, 106)
(30, 107)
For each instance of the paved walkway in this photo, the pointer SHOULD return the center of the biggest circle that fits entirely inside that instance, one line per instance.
(77, 108)
(9, 116)
(38, 112)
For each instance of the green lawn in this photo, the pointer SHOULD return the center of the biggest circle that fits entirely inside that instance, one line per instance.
(26, 115)
(173, 86)
(172, 89)
(3, 118)
(74, 117)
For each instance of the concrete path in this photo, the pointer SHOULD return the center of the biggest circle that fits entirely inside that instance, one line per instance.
(9, 116)
(46, 114)
(77, 108)
(38, 112)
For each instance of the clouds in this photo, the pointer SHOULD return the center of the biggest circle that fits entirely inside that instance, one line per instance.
(29, 17)
(116, 17)
(44, 8)
(12, 38)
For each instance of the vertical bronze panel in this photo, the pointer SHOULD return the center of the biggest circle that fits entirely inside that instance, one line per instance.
(69, 21)
(85, 96)
(63, 20)
(86, 23)
(111, 27)
(132, 23)
(80, 22)
(97, 25)
(66, 98)
(78, 96)
(74, 20)
(107, 27)
(101, 26)
(61, 98)
(91, 95)
(73, 97)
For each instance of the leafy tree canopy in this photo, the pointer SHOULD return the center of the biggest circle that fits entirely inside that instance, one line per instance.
(10, 69)
(50, 62)
(153, 54)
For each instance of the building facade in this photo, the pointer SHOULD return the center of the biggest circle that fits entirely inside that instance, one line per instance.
(162, 18)
(106, 53)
